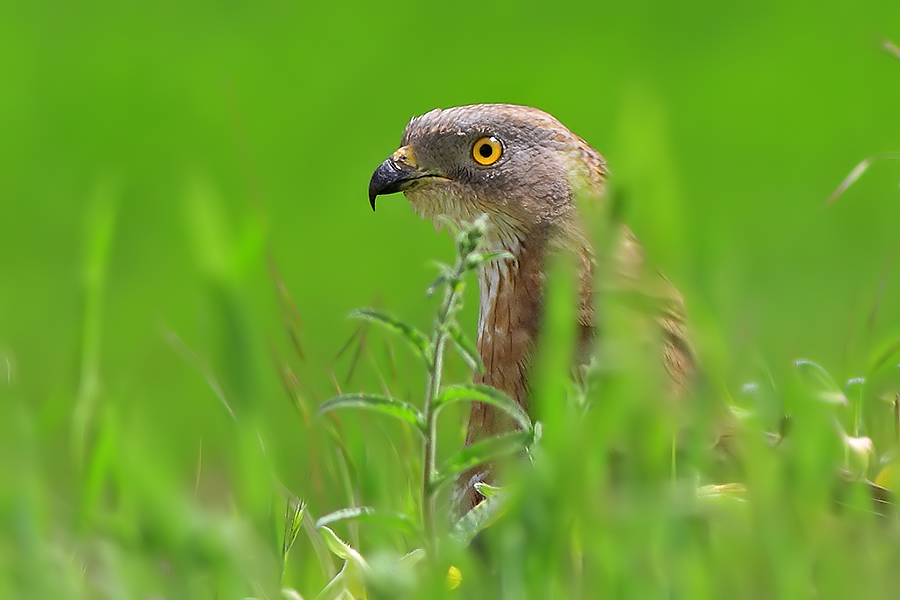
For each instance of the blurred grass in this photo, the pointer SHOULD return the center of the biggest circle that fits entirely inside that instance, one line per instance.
(154, 154)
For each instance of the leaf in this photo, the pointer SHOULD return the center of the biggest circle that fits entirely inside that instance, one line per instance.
(354, 572)
(412, 558)
(481, 516)
(477, 392)
(366, 513)
(336, 587)
(377, 403)
(344, 514)
(465, 347)
(415, 337)
(820, 383)
(481, 452)
(342, 549)
(342, 585)
(487, 490)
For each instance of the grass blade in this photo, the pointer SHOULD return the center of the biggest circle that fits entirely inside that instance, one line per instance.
(887, 353)
(98, 242)
(820, 383)
(858, 171)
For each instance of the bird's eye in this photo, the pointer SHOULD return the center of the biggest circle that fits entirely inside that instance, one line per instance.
(487, 151)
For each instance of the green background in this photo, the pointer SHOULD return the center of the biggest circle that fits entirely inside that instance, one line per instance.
(153, 155)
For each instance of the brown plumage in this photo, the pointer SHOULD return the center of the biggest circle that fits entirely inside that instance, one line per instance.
(524, 169)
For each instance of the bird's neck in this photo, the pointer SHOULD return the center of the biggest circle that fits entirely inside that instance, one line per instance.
(508, 322)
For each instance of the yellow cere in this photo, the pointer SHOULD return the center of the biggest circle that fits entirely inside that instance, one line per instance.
(487, 151)
(405, 155)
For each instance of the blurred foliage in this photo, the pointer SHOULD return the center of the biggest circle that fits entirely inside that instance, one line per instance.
(161, 161)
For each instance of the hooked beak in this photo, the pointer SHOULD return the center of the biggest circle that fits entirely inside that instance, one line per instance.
(395, 174)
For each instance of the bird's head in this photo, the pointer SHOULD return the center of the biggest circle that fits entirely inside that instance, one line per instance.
(517, 164)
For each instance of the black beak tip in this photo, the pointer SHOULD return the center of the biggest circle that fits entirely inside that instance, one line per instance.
(376, 187)
(389, 178)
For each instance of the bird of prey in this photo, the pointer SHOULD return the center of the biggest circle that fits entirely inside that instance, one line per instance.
(524, 169)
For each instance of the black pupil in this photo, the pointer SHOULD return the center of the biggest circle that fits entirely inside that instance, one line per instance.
(485, 150)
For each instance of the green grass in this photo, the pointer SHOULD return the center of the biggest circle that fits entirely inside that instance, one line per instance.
(630, 492)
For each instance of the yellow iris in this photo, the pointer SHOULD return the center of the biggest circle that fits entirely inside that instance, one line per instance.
(487, 151)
